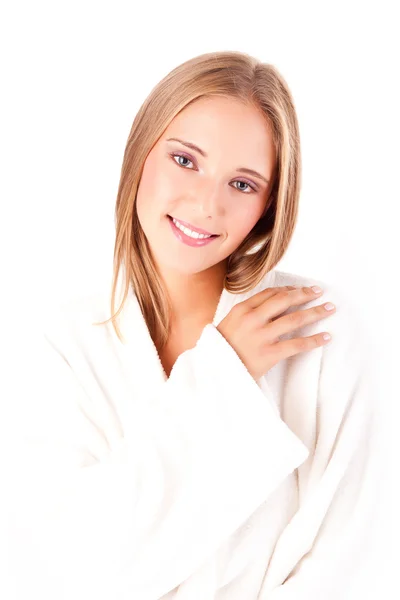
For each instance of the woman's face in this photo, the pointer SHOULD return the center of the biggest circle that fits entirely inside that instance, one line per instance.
(206, 191)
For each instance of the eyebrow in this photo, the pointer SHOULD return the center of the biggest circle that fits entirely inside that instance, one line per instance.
(203, 153)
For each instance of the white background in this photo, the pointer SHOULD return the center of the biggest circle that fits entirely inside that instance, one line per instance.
(73, 76)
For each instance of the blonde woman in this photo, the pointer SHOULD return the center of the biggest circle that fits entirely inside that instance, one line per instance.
(201, 438)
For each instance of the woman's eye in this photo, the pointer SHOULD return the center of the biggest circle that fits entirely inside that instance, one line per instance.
(237, 181)
(181, 156)
(244, 183)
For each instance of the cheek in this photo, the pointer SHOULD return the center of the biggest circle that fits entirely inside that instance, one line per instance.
(156, 188)
(146, 192)
(244, 220)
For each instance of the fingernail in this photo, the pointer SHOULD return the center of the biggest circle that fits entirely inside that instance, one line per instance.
(316, 289)
(329, 306)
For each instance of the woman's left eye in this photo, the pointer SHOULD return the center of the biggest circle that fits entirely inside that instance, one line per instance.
(245, 183)
(237, 180)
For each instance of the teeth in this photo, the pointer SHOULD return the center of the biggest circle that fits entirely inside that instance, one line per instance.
(192, 234)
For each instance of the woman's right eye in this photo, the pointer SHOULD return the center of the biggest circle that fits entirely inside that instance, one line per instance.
(180, 156)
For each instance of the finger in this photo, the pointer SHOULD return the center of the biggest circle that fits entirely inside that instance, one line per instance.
(286, 348)
(299, 318)
(261, 297)
(280, 301)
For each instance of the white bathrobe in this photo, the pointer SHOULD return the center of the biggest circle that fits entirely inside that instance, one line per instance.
(207, 485)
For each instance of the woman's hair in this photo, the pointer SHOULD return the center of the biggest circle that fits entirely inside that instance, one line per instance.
(243, 78)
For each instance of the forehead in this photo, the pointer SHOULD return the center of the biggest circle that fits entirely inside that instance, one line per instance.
(225, 124)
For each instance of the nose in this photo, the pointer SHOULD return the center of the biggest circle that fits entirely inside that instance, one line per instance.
(208, 200)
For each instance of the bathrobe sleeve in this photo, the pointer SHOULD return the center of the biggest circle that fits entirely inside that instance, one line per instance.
(134, 521)
(325, 551)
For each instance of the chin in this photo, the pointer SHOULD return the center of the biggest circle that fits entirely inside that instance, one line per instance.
(184, 268)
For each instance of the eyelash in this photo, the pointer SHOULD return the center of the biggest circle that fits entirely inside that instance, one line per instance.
(173, 154)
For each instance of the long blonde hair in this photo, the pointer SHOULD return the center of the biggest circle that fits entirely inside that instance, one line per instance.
(230, 74)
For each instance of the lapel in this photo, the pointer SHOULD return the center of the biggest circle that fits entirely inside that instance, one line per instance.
(143, 364)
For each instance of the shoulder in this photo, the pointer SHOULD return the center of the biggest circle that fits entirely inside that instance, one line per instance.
(328, 382)
(90, 304)
(345, 320)
(76, 314)
(278, 278)
(350, 355)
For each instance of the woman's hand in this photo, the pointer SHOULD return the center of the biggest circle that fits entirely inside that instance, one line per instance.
(253, 327)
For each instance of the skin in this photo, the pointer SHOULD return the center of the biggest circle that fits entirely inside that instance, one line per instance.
(205, 192)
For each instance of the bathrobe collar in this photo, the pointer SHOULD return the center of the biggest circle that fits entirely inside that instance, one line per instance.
(138, 342)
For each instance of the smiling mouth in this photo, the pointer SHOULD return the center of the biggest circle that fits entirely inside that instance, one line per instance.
(191, 228)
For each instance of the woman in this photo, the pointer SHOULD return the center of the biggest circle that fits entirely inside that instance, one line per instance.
(223, 448)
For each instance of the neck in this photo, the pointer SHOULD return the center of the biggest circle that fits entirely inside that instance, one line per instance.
(194, 298)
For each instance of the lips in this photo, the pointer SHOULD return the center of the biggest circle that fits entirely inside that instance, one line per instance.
(193, 228)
